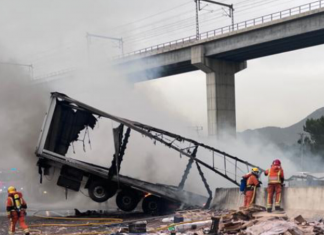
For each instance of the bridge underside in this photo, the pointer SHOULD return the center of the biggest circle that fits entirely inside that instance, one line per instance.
(274, 47)
(223, 56)
(242, 54)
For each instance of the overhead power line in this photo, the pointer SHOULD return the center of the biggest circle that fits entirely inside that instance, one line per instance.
(145, 37)
(151, 16)
(243, 10)
(229, 6)
(175, 28)
(119, 40)
(166, 28)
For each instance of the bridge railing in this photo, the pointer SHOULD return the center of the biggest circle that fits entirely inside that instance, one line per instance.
(230, 28)
(263, 19)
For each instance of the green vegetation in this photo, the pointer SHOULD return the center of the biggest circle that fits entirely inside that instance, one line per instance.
(314, 140)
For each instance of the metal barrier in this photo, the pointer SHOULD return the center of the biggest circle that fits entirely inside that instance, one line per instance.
(231, 28)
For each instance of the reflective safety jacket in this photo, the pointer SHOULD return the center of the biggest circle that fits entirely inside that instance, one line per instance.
(252, 181)
(16, 202)
(275, 175)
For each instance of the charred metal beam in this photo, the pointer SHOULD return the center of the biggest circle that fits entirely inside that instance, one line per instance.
(120, 148)
(187, 170)
(123, 146)
(159, 135)
(210, 193)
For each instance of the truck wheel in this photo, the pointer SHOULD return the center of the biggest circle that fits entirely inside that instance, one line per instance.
(101, 191)
(151, 204)
(127, 200)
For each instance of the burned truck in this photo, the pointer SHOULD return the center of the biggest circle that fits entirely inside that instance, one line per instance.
(67, 118)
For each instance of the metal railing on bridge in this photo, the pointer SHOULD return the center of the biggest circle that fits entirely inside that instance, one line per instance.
(230, 28)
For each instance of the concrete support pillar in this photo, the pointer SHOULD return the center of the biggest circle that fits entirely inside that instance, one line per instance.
(220, 91)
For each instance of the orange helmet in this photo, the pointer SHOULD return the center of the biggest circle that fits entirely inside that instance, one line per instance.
(276, 162)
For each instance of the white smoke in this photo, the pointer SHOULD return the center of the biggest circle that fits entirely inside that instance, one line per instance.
(23, 107)
(24, 104)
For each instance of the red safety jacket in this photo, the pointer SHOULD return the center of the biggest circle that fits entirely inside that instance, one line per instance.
(275, 175)
(16, 202)
(252, 181)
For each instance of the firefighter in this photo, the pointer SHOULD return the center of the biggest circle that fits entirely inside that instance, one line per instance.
(16, 210)
(275, 182)
(252, 182)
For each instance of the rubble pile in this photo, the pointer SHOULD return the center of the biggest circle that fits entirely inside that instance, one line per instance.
(246, 221)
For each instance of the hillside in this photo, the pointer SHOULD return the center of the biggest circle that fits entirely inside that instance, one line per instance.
(288, 135)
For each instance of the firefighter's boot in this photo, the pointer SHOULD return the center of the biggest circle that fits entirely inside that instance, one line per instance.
(278, 208)
(269, 210)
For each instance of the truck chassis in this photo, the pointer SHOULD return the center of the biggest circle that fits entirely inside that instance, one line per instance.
(67, 117)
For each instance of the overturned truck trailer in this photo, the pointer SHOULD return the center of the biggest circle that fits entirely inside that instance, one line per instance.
(67, 117)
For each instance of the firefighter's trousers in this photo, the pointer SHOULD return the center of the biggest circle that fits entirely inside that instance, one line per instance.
(17, 217)
(249, 198)
(274, 189)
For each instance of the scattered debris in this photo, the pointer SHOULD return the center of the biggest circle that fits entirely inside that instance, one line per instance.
(178, 219)
(137, 227)
(193, 226)
(245, 221)
(299, 219)
(272, 227)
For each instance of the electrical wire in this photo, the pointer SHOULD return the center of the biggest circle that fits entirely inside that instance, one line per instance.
(244, 10)
(72, 44)
(193, 17)
(146, 36)
(119, 26)
(175, 16)
(178, 23)
(53, 50)
(247, 7)
(179, 13)
(151, 16)
(163, 21)
(178, 28)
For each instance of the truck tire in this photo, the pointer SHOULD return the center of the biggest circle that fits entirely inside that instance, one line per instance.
(127, 200)
(101, 191)
(152, 205)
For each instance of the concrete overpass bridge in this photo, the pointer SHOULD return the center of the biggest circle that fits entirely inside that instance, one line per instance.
(223, 52)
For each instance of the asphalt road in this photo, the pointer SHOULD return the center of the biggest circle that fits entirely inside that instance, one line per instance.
(37, 224)
(32, 221)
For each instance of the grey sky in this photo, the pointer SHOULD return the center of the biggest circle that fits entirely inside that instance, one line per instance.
(278, 90)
